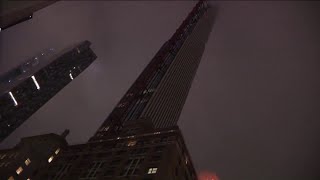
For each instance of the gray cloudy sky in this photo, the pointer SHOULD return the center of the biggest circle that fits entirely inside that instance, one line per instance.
(253, 110)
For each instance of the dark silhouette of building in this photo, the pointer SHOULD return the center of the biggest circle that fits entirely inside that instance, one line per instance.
(29, 155)
(140, 140)
(15, 12)
(28, 87)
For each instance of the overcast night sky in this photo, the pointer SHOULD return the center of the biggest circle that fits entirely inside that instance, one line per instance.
(253, 110)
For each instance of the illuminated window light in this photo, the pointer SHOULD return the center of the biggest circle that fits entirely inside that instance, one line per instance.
(71, 77)
(132, 143)
(19, 170)
(13, 99)
(50, 159)
(11, 178)
(57, 151)
(35, 82)
(28, 179)
(152, 170)
(27, 161)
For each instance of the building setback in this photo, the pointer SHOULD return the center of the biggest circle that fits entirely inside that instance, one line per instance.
(28, 87)
(140, 139)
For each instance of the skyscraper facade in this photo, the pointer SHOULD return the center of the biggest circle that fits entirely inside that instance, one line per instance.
(140, 139)
(28, 87)
(159, 93)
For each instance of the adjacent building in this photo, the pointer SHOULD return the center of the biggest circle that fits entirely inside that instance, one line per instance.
(149, 155)
(28, 87)
(25, 159)
(140, 139)
(15, 12)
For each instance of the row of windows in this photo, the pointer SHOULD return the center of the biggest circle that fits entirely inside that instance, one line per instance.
(10, 155)
(27, 162)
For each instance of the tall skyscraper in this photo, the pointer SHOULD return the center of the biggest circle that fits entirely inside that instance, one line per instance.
(140, 140)
(28, 87)
(159, 93)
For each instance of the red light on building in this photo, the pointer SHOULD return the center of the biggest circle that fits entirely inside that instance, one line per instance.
(206, 175)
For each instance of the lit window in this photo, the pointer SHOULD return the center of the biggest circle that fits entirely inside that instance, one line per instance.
(11, 178)
(28, 179)
(27, 162)
(50, 159)
(106, 128)
(132, 143)
(57, 151)
(70, 75)
(35, 82)
(152, 170)
(13, 99)
(19, 170)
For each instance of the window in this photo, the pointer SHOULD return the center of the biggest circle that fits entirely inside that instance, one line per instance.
(109, 172)
(3, 156)
(132, 166)
(57, 151)
(121, 105)
(11, 155)
(94, 169)
(152, 170)
(132, 143)
(11, 178)
(19, 170)
(27, 162)
(50, 159)
(63, 170)
(106, 128)
(155, 158)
